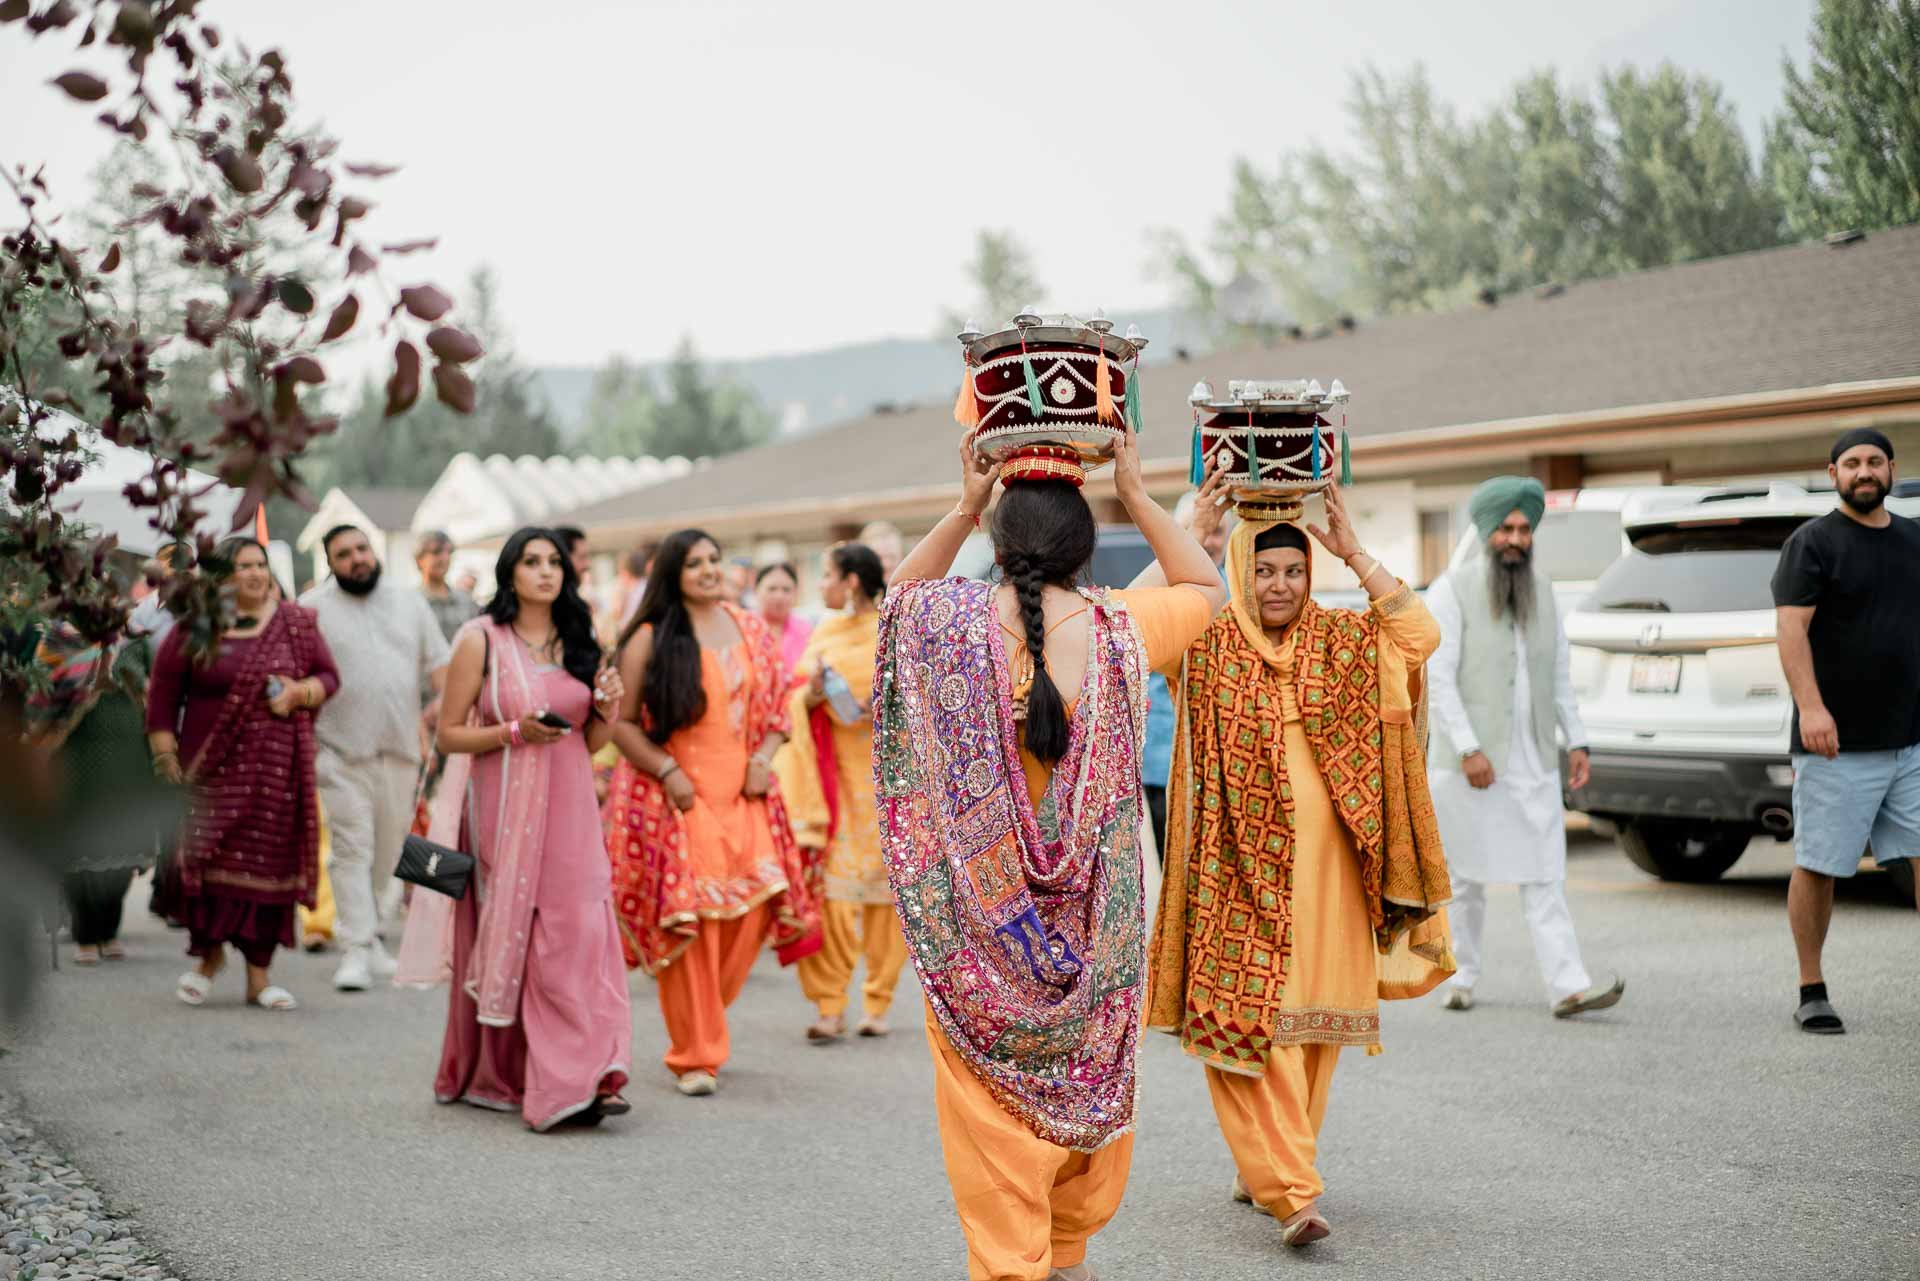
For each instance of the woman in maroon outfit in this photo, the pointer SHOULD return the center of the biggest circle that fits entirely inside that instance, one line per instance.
(235, 724)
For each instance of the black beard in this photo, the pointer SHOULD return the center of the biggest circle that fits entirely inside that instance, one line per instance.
(1861, 506)
(1510, 586)
(359, 586)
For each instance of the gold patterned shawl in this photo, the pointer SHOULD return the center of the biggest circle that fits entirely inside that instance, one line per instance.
(1223, 932)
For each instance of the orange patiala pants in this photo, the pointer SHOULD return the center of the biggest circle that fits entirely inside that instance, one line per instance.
(1272, 1123)
(848, 931)
(1026, 1205)
(697, 988)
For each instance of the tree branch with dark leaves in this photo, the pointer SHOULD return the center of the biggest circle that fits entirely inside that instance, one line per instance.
(255, 210)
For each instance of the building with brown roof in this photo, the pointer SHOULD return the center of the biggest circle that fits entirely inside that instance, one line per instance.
(1730, 368)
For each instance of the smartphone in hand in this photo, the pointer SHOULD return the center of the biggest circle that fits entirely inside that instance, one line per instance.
(554, 720)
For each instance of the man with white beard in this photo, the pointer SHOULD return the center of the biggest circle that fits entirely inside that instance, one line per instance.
(1497, 687)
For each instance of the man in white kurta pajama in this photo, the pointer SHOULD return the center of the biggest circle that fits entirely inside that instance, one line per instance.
(1498, 687)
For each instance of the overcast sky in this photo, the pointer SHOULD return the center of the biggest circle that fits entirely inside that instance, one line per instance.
(779, 176)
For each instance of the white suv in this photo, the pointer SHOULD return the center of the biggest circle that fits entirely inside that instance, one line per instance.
(1687, 710)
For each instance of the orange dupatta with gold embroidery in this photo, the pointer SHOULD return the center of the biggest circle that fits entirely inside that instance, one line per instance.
(1222, 936)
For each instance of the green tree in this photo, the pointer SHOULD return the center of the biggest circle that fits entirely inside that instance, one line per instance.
(1555, 208)
(1683, 184)
(1428, 210)
(1845, 151)
(703, 417)
(1003, 279)
(620, 412)
(508, 416)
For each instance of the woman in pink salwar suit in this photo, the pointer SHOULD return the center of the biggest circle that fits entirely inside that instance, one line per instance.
(538, 1020)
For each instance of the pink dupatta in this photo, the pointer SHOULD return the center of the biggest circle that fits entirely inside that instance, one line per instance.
(504, 837)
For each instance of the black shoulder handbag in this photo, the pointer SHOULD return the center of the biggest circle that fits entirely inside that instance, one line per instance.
(435, 867)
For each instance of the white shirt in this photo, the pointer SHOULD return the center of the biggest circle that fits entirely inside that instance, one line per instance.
(152, 619)
(1515, 830)
(387, 645)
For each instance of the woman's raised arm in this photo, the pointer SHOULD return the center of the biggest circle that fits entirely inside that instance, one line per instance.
(934, 554)
(1181, 557)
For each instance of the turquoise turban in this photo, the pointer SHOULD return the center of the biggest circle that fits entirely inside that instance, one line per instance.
(1502, 496)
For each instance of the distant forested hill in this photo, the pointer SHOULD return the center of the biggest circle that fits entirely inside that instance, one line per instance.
(808, 390)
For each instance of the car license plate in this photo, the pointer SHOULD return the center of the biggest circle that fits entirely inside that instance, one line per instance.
(1656, 674)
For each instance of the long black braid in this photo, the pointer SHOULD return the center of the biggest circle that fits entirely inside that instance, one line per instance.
(1043, 534)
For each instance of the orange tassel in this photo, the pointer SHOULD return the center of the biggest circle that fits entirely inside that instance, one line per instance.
(966, 406)
(1103, 406)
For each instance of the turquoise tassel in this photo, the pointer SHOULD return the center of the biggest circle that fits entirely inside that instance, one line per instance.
(1198, 471)
(1346, 460)
(1253, 456)
(1033, 389)
(1133, 399)
(1316, 453)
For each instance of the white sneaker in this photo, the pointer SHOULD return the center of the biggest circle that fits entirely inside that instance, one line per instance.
(354, 974)
(698, 1084)
(1459, 998)
(380, 962)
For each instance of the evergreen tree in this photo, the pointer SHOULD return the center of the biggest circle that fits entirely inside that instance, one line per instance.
(1429, 210)
(701, 417)
(1683, 184)
(1003, 280)
(508, 418)
(1845, 151)
(620, 412)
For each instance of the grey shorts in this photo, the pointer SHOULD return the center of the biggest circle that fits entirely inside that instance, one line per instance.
(1841, 805)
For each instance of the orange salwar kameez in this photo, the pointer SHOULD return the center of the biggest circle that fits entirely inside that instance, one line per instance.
(1335, 975)
(1028, 1206)
(699, 892)
(857, 917)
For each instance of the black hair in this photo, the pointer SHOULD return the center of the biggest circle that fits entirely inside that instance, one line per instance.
(863, 563)
(204, 649)
(572, 617)
(1043, 534)
(672, 693)
(1280, 537)
(778, 567)
(326, 541)
(229, 549)
(571, 536)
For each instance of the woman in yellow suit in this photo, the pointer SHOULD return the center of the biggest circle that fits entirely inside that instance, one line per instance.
(827, 778)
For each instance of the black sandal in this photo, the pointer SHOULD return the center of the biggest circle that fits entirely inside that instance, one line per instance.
(1819, 1017)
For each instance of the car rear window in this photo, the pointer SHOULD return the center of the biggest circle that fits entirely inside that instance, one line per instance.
(1696, 567)
(1574, 547)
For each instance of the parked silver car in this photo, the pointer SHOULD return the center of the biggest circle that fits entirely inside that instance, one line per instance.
(1687, 709)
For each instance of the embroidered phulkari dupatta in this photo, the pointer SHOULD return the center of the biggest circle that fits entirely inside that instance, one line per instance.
(1025, 924)
(1223, 936)
(654, 893)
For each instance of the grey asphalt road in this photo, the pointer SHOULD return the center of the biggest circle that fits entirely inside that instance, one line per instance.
(1692, 1132)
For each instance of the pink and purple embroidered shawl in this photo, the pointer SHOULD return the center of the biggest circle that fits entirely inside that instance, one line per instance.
(1025, 923)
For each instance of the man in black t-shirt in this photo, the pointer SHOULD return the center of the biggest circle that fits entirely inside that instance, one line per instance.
(1847, 597)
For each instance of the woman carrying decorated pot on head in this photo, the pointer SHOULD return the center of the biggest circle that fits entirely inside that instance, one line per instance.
(1304, 877)
(1007, 732)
